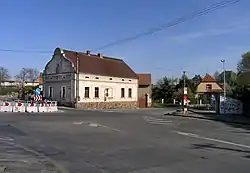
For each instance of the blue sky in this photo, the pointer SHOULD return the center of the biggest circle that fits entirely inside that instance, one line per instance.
(196, 46)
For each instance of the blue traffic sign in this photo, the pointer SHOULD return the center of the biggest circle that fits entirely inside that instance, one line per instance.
(38, 91)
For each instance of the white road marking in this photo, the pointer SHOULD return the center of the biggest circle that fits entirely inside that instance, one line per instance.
(78, 123)
(211, 139)
(5, 138)
(156, 121)
(92, 124)
(109, 127)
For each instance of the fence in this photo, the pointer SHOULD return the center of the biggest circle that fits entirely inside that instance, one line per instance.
(18, 106)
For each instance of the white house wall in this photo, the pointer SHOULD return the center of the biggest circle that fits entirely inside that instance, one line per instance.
(59, 72)
(103, 82)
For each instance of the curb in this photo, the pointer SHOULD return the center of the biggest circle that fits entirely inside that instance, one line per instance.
(207, 118)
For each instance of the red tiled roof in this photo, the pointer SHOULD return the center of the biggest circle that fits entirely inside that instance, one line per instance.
(208, 78)
(104, 66)
(144, 78)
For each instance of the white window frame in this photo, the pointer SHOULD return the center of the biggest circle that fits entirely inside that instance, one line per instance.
(62, 92)
(51, 92)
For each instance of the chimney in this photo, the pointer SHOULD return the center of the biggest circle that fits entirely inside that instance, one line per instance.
(100, 55)
(88, 52)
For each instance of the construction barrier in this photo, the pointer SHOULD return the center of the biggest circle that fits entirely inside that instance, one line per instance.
(6, 107)
(42, 107)
(31, 107)
(53, 106)
(18, 106)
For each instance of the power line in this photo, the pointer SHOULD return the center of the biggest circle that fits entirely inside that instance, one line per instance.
(25, 51)
(211, 8)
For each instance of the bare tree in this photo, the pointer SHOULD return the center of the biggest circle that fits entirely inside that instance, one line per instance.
(4, 74)
(23, 76)
(33, 75)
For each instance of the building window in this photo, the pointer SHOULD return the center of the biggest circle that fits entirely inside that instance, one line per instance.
(209, 87)
(96, 77)
(86, 93)
(50, 92)
(130, 92)
(110, 79)
(122, 79)
(63, 92)
(86, 77)
(96, 92)
(122, 92)
(106, 92)
(130, 80)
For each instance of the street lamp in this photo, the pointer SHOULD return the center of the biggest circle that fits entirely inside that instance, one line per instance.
(224, 76)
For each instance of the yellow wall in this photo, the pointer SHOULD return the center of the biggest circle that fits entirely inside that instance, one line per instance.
(201, 88)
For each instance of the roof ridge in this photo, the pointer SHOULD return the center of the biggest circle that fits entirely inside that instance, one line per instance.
(95, 55)
(103, 65)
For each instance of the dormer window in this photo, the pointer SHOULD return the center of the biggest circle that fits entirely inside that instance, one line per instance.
(208, 87)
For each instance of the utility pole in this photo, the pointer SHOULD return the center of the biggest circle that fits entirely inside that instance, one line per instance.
(224, 76)
(224, 82)
(184, 80)
(185, 110)
(77, 79)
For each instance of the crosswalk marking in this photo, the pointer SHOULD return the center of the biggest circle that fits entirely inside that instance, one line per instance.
(156, 121)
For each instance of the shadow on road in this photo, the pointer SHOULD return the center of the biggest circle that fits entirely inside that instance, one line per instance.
(237, 121)
(213, 146)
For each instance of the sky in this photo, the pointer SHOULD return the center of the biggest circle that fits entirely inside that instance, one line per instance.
(196, 46)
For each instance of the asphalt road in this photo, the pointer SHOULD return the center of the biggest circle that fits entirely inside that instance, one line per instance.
(138, 141)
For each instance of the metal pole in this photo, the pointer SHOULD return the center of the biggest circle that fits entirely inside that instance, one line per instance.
(224, 82)
(77, 78)
(224, 77)
(184, 85)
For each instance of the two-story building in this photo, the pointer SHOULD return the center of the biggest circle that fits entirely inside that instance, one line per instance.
(86, 80)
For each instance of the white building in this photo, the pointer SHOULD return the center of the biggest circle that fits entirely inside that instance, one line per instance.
(85, 80)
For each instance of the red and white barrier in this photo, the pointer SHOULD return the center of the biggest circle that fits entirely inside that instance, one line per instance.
(31, 107)
(19, 107)
(28, 107)
(42, 107)
(6, 107)
(51, 107)
(54, 106)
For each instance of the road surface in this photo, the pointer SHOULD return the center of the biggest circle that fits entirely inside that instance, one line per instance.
(142, 141)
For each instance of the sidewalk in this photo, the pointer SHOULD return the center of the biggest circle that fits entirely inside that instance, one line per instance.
(210, 115)
(113, 110)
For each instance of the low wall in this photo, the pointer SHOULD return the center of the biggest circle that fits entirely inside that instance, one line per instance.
(108, 105)
(230, 106)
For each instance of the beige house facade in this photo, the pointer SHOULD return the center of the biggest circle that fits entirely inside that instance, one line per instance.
(85, 80)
